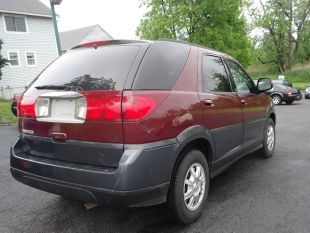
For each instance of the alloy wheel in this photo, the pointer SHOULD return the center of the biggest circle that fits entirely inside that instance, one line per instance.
(270, 137)
(276, 100)
(194, 186)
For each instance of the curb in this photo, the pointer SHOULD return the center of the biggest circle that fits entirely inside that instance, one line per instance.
(4, 123)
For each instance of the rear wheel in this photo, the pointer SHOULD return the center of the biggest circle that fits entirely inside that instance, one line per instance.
(276, 99)
(269, 140)
(189, 189)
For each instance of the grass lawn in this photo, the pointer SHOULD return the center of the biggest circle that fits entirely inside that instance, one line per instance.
(299, 75)
(6, 114)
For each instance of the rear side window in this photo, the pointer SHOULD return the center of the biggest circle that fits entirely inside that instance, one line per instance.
(214, 75)
(161, 66)
(103, 68)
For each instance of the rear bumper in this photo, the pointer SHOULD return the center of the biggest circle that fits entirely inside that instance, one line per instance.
(142, 197)
(142, 177)
(293, 97)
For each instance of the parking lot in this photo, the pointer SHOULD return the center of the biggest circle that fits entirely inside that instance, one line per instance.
(253, 195)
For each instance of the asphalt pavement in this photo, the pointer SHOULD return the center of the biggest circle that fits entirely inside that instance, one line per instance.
(253, 195)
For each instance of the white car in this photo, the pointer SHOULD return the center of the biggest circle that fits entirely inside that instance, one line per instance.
(307, 94)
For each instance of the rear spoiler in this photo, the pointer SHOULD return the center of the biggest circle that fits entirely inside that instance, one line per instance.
(96, 44)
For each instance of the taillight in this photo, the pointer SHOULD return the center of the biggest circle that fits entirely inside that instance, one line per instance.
(42, 107)
(136, 107)
(99, 106)
(81, 108)
(103, 105)
(26, 107)
(289, 91)
(115, 106)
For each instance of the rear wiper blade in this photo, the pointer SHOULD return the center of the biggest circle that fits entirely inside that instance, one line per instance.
(51, 87)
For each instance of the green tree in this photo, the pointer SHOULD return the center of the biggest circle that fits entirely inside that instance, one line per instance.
(283, 23)
(216, 24)
(3, 61)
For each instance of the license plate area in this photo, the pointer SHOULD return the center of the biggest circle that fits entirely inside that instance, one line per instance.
(62, 108)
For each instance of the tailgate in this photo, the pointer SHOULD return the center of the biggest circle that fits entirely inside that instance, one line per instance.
(89, 153)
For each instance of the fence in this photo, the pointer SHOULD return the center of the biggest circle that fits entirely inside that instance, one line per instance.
(8, 92)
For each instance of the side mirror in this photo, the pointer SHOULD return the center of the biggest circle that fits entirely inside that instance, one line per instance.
(264, 84)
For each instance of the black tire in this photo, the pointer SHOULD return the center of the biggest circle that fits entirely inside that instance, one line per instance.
(276, 99)
(265, 151)
(14, 108)
(176, 202)
(289, 102)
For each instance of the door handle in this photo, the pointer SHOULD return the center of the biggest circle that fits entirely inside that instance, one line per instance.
(209, 103)
(244, 102)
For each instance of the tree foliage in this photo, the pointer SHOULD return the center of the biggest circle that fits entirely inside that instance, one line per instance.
(217, 24)
(3, 61)
(285, 25)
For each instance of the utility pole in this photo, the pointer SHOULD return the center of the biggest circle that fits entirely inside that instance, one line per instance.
(53, 3)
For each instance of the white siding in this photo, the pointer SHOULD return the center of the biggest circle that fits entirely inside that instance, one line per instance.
(40, 38)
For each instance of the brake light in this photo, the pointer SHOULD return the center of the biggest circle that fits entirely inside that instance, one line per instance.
(136, 107)
(94, 43)
(100, 105)
(289, 91)
(26, 107)
(103, 105)
(113, 106)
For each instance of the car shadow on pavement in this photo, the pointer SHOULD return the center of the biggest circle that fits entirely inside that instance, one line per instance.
(146, 219)
(114, 219)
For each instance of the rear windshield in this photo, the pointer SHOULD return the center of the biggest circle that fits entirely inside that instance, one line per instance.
(161, 66)
(103, 68)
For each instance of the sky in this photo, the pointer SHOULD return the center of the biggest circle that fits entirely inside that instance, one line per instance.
(119, 18)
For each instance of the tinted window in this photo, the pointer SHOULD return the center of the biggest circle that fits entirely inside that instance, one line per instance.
(161, 66)
(279, 87)
(214, 75)
(243, 82)
(104, 68)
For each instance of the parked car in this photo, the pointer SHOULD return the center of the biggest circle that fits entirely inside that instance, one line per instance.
(283, 82)
(139, 123)
(14, 104)
(280, 93)
(307, 92)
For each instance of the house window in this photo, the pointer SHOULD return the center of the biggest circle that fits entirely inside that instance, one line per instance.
(15, 24)
(31, 59)
(13, 59)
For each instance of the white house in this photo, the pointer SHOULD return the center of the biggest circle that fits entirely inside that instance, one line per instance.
(27, 32)
(72, 38)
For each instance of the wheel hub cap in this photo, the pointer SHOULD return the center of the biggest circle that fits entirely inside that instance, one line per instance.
(276, 100)
(194, 186)
(270, 137)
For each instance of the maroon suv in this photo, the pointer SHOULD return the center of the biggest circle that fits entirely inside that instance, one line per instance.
(139, 123)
